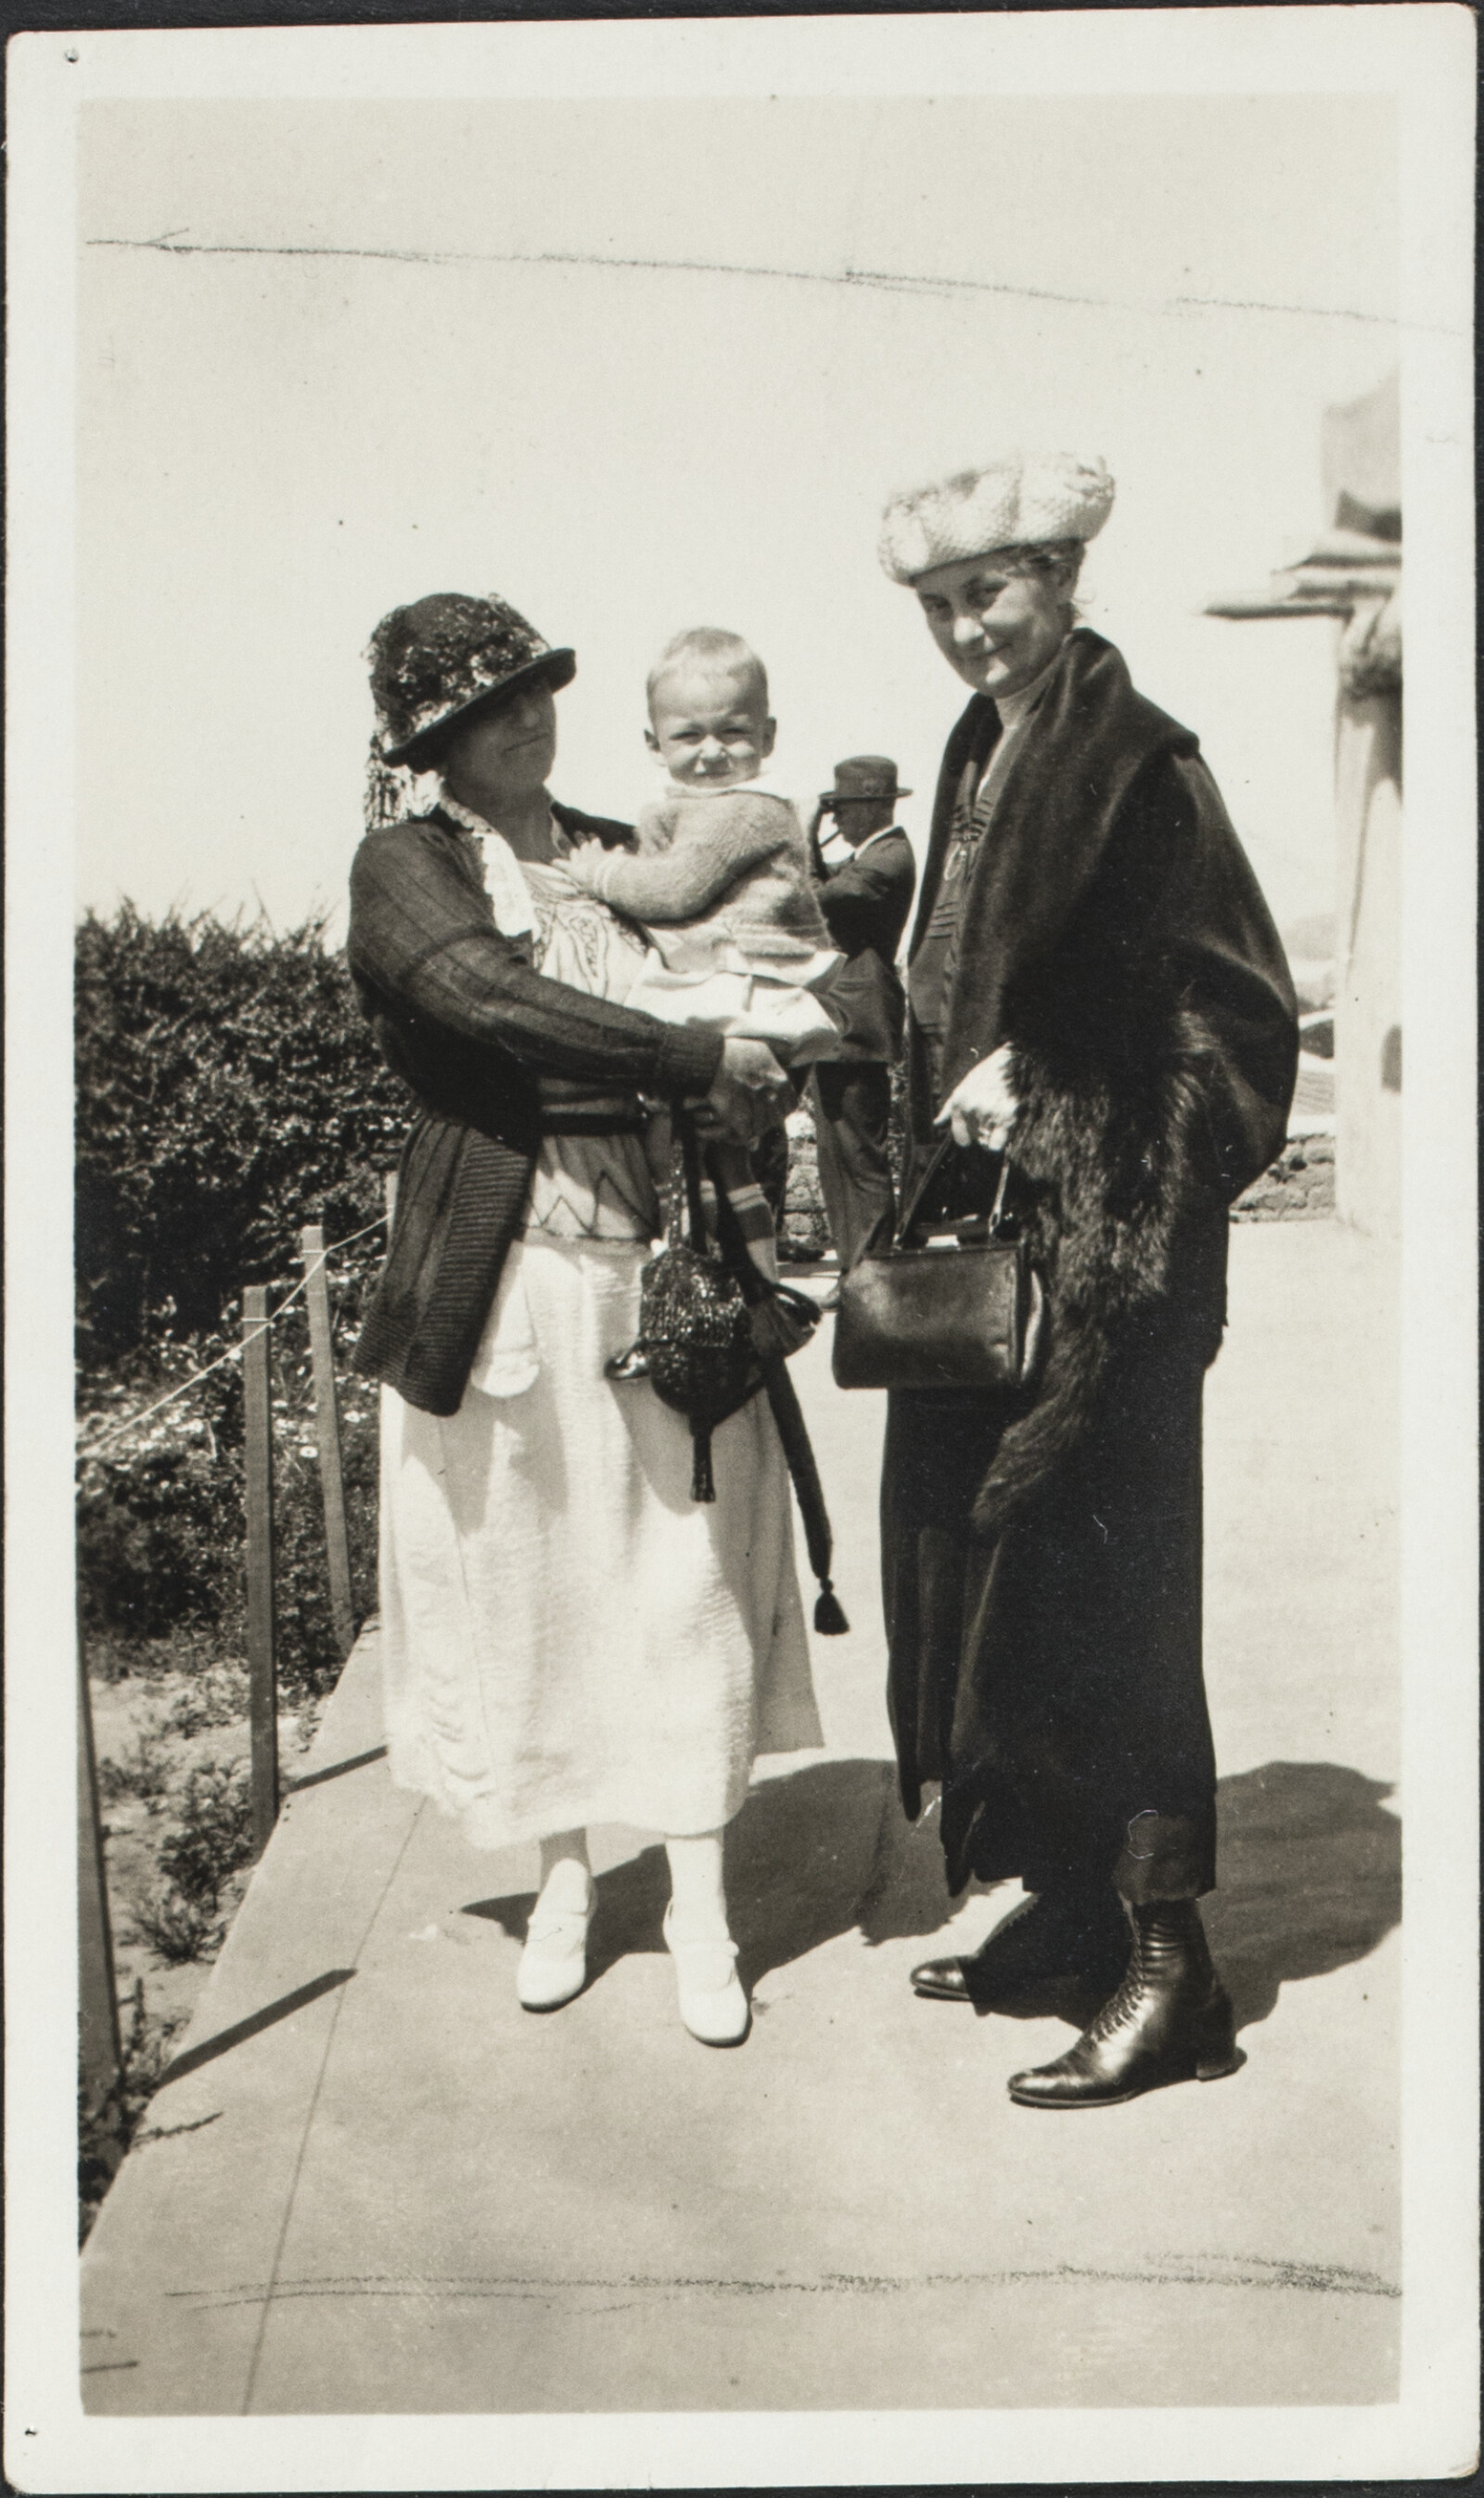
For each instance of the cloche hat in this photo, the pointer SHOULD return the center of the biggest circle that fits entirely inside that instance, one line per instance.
(443, 655)
(1013, 501)
(863, 776)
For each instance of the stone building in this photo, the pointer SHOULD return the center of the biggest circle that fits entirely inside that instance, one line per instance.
(1353, 574)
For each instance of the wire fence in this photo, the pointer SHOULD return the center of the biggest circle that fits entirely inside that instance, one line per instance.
(100, 2042)
(233, 1351)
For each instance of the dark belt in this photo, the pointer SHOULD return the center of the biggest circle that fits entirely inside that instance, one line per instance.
(623, 1117)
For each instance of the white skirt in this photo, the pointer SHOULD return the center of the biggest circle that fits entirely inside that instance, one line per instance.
(566, 1636)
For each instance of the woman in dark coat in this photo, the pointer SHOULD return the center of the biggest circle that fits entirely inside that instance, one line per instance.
(1095, 987)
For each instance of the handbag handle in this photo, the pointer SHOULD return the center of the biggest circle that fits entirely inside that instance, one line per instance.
(686, 1185)
(920, 1196)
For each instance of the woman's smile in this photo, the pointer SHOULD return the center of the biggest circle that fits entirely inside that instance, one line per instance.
(1031, 618)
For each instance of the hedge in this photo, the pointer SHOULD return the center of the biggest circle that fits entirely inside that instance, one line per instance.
(228, 1091)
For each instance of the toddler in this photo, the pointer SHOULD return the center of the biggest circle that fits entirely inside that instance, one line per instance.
(720, 880)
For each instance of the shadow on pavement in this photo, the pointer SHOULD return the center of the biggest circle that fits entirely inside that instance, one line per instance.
(278, 2010)
(1310, 1865)
(820, 1852)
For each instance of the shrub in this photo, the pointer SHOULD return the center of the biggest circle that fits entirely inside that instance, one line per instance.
(161, 1520)
(140, 1771)
(228, 1091)
(212, 1839)
(218, 1697)
(176, 1928)
(209, 1842)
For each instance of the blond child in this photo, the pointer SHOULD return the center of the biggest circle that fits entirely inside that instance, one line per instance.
(720, 879)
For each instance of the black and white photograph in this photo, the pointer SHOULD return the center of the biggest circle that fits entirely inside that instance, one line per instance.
(742, 1325)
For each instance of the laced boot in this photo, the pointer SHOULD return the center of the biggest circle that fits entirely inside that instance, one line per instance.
(1170, 2021)
(1053, 1938)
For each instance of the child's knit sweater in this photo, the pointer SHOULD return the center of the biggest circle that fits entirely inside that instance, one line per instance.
(727, 865)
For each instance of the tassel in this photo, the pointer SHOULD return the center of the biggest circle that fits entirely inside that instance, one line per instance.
(829, 1613)
(702, 1481)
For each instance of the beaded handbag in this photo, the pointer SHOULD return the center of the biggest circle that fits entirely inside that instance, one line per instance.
(713, 1330)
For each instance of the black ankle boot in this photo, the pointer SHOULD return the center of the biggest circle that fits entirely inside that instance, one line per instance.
(1054, 1939)
(1170, 2021)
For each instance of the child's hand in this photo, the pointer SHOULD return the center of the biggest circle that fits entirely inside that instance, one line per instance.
(584, 863)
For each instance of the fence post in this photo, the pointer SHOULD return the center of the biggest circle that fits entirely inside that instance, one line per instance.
(327, 1432)
(100, 2049)
(262, 1681)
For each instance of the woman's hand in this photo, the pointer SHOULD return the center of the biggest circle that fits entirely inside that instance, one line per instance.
(750, 1089)
(982, 1107)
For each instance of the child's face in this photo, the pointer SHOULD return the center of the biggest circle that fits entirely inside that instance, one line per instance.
(709, 726)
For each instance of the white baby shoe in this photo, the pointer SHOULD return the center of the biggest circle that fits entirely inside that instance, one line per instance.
(553, 1965)
(713, 2004)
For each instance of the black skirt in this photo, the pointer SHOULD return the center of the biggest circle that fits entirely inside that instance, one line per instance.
(1051, 1678)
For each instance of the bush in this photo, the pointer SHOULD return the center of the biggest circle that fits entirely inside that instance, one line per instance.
(218, 1697)
(140, 1771)
(214, 1836)
(228, 1091)
(177, 1930)
(209, 1842)
(160, 1551)
(161, 1519)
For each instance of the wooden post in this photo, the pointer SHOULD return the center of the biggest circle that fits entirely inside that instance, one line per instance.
(327, 1432)
(262, 1674)
(389, 1191)
(100, 2049)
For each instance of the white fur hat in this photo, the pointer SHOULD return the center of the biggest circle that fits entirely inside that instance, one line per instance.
(1011, 501)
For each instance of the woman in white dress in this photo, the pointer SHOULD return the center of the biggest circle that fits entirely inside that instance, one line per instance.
(567, 1636)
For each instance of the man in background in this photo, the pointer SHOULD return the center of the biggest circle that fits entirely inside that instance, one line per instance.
(865, 897)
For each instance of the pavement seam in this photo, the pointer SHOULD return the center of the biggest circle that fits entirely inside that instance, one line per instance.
(309, 2116)
(1196, 2272)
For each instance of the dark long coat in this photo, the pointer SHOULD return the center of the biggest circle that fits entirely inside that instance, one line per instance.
(1042, 1562)
(865, 900)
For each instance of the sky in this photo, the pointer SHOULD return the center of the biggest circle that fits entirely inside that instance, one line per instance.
(641, 365)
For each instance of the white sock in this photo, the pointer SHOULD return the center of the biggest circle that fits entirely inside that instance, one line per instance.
(567, 1881)
(697, 1889)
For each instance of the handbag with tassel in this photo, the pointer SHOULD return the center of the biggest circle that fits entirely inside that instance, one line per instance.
(713, 1330)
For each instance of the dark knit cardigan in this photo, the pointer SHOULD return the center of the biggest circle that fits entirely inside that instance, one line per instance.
(497, 1056)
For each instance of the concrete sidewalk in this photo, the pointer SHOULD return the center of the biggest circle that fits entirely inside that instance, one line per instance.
(373, 2184)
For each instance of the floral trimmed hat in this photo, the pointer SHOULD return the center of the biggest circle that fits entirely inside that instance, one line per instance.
(443, 655)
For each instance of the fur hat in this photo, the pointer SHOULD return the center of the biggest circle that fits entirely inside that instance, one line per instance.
(435, 660)
(1014, 501)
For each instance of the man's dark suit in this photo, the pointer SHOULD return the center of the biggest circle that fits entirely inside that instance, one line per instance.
(865, 902)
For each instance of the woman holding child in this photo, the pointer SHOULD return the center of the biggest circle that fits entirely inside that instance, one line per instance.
(1095, 990)
(568, 1637)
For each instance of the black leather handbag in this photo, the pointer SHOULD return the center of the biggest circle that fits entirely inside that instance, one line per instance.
(964, 1313)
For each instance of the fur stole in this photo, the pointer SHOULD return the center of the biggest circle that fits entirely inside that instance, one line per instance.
(1116, 1166)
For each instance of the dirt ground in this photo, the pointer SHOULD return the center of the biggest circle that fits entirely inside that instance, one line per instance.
(151, 1730)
